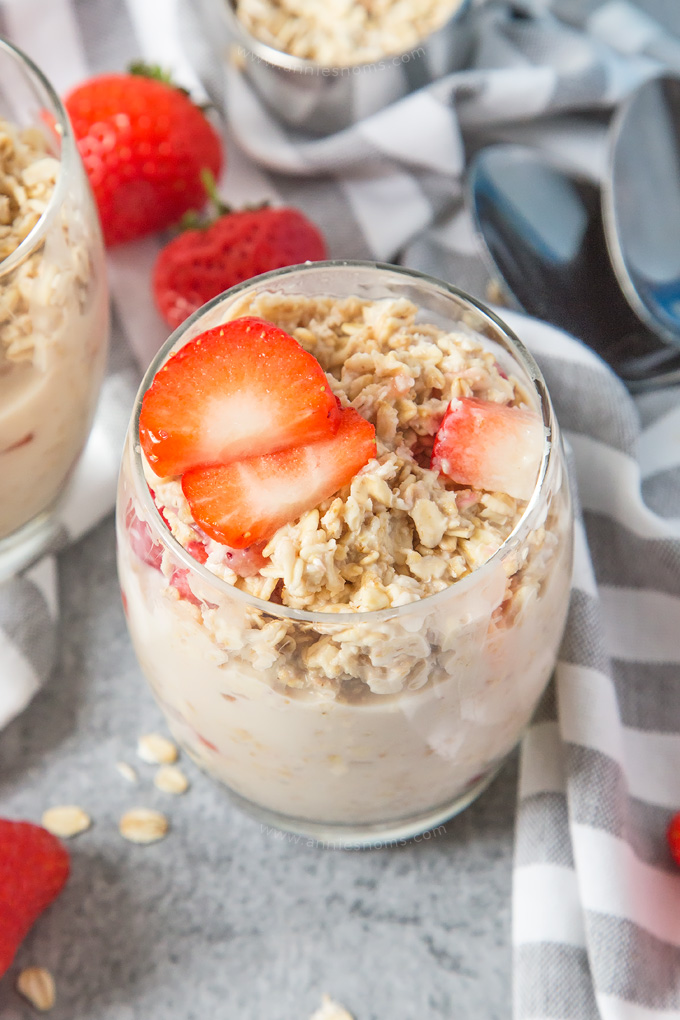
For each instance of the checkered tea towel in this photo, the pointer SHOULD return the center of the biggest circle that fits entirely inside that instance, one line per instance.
(596, 897)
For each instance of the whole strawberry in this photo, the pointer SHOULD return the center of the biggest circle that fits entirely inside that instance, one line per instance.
(200, 263)
(34, 866)
(144, 145)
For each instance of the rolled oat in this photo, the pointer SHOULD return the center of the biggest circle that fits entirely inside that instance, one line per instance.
(155, 749)
(143, 825)
(170, 779)
(36, 984)
(66, 821)
(330, 1010)
(126, 771)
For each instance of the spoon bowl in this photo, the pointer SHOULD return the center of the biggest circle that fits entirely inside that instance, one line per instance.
(641, 204)
(542, 232)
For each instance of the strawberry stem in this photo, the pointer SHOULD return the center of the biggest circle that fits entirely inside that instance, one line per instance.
(208, 181)
(194, 220)
(156, 73)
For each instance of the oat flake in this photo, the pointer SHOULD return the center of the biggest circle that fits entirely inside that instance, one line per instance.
(155, 749)
(142, 825)
(126, 771)
(37, 986)
(170, 779)
(330, 1010)
(66, 821)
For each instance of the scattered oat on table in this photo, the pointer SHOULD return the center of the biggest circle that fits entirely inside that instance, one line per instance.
(330, 1010)
(143, 825)
(37, 986)
(126, 771)
(170, 779)
(155, 749)
(66, 821)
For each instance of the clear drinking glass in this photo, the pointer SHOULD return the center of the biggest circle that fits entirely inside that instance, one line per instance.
(472, 661)
(54, 318)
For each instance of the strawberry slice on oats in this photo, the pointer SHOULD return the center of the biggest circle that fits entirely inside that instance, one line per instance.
(490, 446)
(239, 390)
(246, 501)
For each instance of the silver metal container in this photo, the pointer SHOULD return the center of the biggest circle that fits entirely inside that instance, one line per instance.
(319, 100)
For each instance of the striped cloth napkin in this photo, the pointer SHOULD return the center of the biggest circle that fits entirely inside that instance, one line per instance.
(596, 897)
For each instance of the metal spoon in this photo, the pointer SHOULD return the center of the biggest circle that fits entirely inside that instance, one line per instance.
(542, 232)
(641, 204)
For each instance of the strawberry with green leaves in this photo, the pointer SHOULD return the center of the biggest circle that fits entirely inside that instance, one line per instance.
(232, 247)
(144, 144)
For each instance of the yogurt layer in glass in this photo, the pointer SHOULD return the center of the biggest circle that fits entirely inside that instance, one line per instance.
(361, 675)
(54, 317)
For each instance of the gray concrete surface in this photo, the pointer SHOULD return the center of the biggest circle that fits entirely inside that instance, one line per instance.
(224, 920)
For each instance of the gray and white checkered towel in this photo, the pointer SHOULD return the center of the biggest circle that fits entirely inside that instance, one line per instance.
(596, 897)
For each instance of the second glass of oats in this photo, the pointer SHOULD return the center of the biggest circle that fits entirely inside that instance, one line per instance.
(54, 317)
(362, 676)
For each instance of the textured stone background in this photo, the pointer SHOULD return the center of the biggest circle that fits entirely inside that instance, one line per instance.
(224, 921)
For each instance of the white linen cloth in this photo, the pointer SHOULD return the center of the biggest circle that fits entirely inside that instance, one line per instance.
(596, 897)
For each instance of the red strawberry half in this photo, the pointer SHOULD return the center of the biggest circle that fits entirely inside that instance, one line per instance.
(247, 501)
(490, 446)
(238, 390)
(34, 866)
(200, 264)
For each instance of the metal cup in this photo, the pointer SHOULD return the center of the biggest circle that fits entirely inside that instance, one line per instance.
(319, 100)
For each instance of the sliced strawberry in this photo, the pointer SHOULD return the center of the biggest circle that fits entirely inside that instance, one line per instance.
(141, 540)
(247, 501)
(179, 579)
(246, 562)
(238, 390)
(490, 446)
(198, 551)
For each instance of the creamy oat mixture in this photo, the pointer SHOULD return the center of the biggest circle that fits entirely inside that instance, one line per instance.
(53, 327)
(399, 531)
(340, 33)
(357, 719)
(28, 176)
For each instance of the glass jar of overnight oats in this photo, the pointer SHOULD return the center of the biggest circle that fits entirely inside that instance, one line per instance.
(362, 674)
(54, 318)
